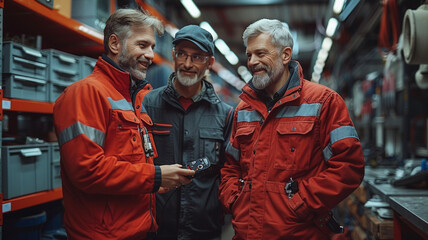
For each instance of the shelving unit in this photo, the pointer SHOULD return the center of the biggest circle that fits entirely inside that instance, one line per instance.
(56, 31)
(46, 28)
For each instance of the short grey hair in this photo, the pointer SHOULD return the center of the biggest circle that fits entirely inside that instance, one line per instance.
(279, 31)
(121, 21)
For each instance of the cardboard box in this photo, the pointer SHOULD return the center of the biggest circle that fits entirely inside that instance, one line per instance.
(381, 228)
(63, 7)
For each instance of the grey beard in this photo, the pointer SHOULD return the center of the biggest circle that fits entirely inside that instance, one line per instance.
(187, 81)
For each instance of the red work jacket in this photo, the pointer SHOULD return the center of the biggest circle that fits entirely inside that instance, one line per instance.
(107, 180)
(307, 136)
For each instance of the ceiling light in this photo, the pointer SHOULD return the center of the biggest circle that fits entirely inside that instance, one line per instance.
(338, 6)
(232, 58)
(171, 30)
(331, 27)
(205, 25)
(327, 43)
(322, 55)
(191, 8)
(222, 46)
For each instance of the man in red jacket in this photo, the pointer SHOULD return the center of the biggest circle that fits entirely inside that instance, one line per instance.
(108, 176)
(294, 153)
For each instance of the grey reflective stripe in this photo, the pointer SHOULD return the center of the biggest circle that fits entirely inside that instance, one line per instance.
(121, 104)
(337, 135)
(234, 152)
(248, 116)
(78, 128)
(304, 110)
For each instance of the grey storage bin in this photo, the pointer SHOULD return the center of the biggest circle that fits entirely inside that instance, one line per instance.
(55, 166)
(26, 169)
(91, 12)
(64, 68)
(24, 61)
(23, 87)
(55, 89)
(87, 65)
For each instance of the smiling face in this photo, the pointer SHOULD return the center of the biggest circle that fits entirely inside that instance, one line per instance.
(267, 63)
(189, 72)
(136, 52)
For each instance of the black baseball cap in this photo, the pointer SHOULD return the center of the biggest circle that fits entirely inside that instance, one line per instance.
(197, 35)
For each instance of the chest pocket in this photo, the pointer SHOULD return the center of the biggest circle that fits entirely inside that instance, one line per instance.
(211, 143)
(127, 139)
(164, 143)
(294, 143)
(246, 139)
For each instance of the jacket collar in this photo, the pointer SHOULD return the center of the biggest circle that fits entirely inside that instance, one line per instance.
(117, 77)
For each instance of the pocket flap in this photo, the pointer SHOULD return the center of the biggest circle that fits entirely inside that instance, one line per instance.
(297, 127)
(245, 130)
(128, 116)
(212, 133)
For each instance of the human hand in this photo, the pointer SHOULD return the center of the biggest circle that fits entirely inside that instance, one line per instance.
(174, 176)
(163, 190)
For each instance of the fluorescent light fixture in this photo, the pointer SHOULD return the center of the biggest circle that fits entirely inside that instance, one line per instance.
(327, 43)
(242, 70)
(338, 6)
(191, 8)
(316, 77)
(322, 55)
(171, 30)
(318, 68)
(205, 25)
(222, 46)
(232, 58)
(331, 27)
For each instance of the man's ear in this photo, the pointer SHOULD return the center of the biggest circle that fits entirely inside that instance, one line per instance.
(286, 55)
(114, 44)
(211, 61)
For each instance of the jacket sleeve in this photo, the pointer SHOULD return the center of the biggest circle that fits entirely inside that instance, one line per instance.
(82, 118)
(230, 173)
(342, 153)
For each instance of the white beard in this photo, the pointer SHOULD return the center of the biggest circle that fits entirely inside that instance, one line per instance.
(261, 81)
(187, 81)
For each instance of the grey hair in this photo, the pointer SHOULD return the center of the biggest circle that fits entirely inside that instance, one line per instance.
(279, 31)
(121, 21)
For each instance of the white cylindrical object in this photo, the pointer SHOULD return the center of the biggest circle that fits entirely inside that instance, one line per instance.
(415, 33)
(421, 76)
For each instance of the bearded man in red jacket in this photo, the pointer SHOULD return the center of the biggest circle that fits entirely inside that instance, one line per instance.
(294, 153)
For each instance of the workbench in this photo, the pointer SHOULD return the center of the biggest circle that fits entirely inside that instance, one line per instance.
(410, 206)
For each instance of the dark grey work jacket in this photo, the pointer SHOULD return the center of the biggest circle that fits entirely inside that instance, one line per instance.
(192, 211)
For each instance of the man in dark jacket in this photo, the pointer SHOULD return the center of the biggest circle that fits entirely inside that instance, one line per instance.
(190, 122)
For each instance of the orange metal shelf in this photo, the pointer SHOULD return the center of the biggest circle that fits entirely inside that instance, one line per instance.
(31, 200)
(21, 105)
(31, 18)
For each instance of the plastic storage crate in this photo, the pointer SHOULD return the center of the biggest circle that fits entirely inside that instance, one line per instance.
(64, 69)
(91, 12)
(55, 166)
(23, 87)
(24, 61)
(26, 169)
(87, 65)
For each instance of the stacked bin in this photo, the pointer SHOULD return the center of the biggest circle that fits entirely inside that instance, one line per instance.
(64, 69)
(24, 72)
(25, 169)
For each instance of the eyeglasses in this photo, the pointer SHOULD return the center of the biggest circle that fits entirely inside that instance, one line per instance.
(198, 59)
